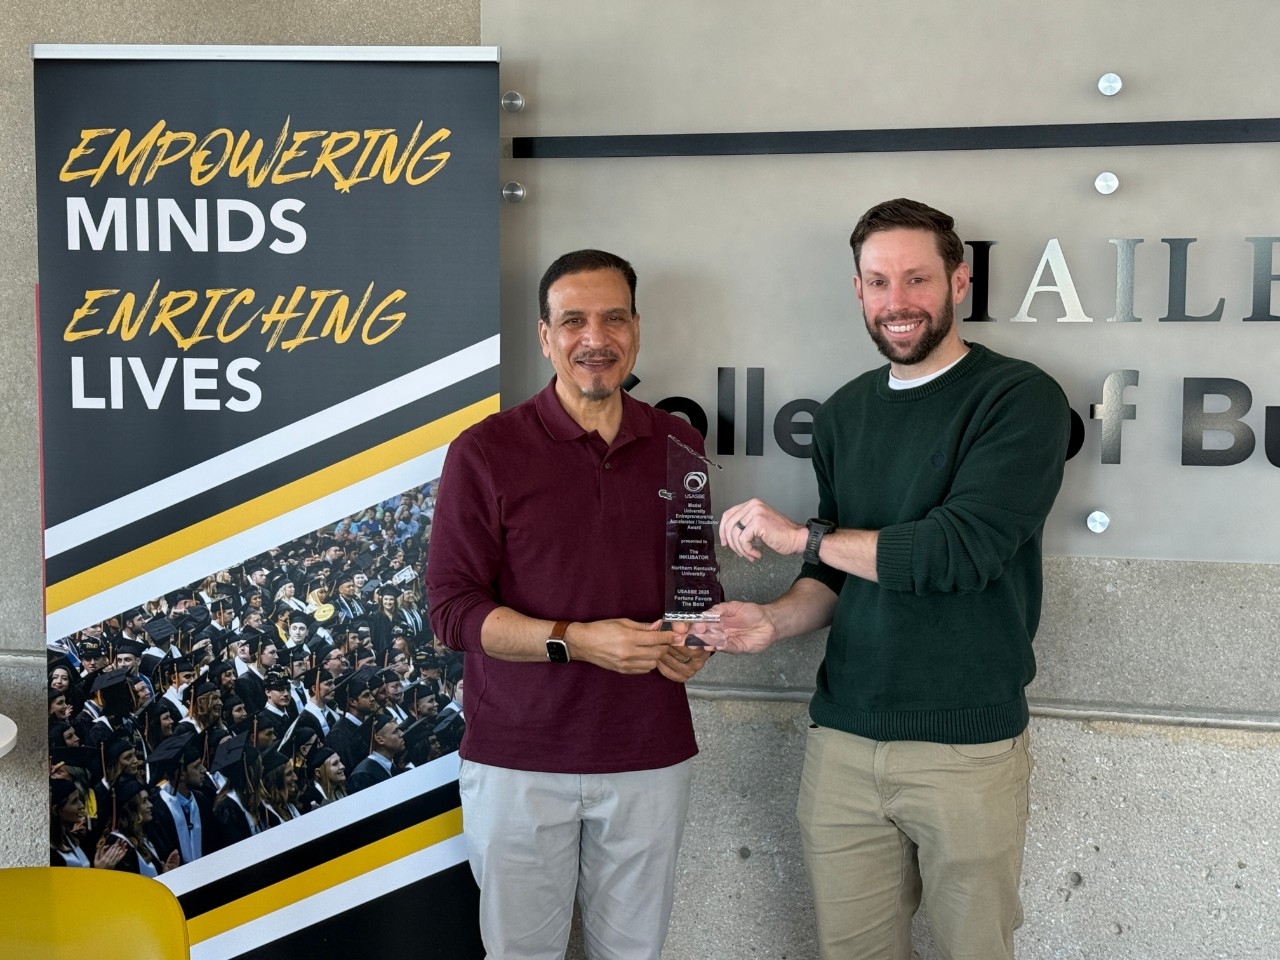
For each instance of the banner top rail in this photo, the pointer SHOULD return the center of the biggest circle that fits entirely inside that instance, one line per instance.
(147, 51)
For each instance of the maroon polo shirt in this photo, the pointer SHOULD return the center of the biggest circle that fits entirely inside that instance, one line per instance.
(535, 514)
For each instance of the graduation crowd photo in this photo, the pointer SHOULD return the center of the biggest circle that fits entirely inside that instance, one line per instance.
(267, 690)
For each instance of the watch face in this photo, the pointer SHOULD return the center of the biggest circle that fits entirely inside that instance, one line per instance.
(557, 651)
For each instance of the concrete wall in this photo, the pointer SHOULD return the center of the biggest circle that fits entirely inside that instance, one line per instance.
(1148, 839)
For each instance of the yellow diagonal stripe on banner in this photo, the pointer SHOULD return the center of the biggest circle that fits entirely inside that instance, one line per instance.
(259, 903)
(266, 507)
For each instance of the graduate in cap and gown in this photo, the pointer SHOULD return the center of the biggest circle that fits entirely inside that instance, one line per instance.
(178, 820)
(386, 746)
(237, 811)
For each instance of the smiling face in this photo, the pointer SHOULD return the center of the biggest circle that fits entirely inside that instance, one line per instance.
(908, 300)
(591, 335)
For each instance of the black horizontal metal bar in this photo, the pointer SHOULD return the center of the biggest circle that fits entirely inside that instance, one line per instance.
(1023, 137)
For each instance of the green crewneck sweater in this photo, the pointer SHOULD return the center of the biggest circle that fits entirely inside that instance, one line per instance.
(958, 476)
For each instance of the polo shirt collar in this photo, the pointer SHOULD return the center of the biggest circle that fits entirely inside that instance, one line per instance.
(560, 426)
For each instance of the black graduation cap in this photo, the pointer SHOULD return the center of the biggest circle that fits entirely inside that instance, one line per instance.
(273, 759)
(179, 595)
(256, 640)
(108, 679)
(115, 748)
(90, 649)
(84, 757)
(298, 616)
(344, 577)
(299, 652)
(414, 691)
(421, 729)
(158, 666)
(170, 754)
(60, 790)
(386, 676)
(198, 688)
(129, 647)
(276, 681)
(325, 614)
(355, 683)
(199, 615)
(221, 605)
(230, 751)
(297, 737)
(160, 628)
(124, 790)
(446, 720)
(264, 719)
(153, 658)
(316, 675)
(318, 755)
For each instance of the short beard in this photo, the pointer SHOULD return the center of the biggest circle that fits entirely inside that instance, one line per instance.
(935, 331)
(597, 391)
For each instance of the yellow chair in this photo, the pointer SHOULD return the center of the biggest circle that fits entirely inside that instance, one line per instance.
(77, 913)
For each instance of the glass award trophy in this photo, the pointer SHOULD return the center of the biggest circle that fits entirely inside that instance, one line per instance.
(692, 586)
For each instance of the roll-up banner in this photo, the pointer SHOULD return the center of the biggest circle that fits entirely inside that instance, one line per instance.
(268, 300)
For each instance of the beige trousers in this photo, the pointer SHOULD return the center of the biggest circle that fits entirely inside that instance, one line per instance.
(536, 839)
(883, 822)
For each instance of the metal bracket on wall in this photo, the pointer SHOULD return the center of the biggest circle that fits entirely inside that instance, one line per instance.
(1153, 133)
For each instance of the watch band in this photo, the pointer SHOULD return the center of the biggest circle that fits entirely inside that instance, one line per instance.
(818, 528)
(557, 649)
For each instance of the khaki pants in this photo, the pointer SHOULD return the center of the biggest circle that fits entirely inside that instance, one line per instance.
(882, 822)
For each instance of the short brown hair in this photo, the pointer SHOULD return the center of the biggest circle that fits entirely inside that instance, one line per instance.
(904, 214)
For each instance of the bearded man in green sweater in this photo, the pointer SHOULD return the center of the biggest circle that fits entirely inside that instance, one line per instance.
(935, 475)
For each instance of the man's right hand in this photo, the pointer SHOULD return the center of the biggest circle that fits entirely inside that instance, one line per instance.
(742, 628)
(621, 645)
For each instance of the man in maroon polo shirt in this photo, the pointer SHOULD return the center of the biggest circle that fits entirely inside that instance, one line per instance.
(547, 569)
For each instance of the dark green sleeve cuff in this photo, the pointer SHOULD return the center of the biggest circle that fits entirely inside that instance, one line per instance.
(833, 578)
(893, 556)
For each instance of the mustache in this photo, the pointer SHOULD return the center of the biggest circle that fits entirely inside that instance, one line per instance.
(903, 316)
(594, 355)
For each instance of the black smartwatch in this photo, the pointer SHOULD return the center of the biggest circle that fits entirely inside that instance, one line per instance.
(818, 528)
(557, 649)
